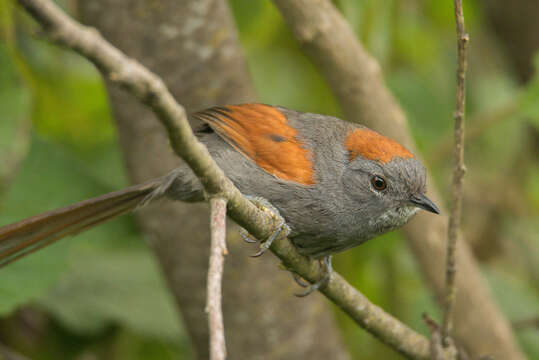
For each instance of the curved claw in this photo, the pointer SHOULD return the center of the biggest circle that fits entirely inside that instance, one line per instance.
(280, 228)
(310, 290)
(327, 270)
(299, 280)
(266, 244)
(263, 247)
(246, 237)
(258, 253)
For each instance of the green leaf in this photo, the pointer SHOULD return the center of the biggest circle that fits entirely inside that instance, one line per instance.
(88, 281)
(529, 100)
(48, 178)
(14, 121)
(519, 301)
(121, 286)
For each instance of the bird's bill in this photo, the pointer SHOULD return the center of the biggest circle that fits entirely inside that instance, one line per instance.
(423, 202)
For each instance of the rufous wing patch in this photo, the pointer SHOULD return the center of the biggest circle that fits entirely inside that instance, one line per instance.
(262, 133)
(373, 146)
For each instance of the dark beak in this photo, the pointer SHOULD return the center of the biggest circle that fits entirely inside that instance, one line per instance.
(423, 202)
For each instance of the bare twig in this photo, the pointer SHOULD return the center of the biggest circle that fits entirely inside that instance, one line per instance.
(436, 351)
(149, 89)
(458, 176)
(215, 278)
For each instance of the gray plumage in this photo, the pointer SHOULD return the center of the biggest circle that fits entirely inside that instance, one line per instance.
(334, 204)
(341, 210)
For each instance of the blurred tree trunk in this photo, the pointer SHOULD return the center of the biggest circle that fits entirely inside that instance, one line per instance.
(515, 23)
(193, 46)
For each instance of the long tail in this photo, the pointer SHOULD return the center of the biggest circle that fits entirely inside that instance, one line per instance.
(26, 236)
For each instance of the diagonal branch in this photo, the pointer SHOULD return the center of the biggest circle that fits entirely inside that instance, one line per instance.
(149, 89)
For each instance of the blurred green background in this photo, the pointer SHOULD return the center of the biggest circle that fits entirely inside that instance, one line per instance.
(86, 298)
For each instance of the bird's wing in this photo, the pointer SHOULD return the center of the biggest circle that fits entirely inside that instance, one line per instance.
(262, 134)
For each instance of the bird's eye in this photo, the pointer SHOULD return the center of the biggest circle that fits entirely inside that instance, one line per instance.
(378, 183)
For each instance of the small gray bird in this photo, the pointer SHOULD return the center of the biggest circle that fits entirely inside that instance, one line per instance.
(335, 184)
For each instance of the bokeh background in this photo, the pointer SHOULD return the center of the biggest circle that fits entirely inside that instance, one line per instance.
(88, 297)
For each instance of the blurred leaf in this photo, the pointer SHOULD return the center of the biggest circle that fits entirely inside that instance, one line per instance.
(428, 102)
(295, 85)
(530, 98)
(72, 108)
(518, 301)
(49, 178)
(417, 41)
(133, 347)
(258, 23)
(100, 276)
(282, 74)
(14, 119)
(352, 11)
(122, 286)
(374, 23)
(533, 188)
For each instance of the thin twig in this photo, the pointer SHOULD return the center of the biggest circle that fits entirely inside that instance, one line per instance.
(436, 351)
(458, 175)
(215, 278)
(150, 89)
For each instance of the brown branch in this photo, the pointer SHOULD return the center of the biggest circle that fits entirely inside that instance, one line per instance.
(458, 177)
(356, 80)
(215, 278)
(149, 89)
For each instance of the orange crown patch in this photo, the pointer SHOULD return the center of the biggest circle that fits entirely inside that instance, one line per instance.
(374, 146)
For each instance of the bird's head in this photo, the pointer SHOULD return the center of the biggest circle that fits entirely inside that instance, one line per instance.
(385, 180)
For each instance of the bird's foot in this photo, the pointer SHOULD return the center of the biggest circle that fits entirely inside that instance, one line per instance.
(281, 227)
(327, 270)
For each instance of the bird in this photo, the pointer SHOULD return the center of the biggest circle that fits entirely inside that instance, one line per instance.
(334, 184)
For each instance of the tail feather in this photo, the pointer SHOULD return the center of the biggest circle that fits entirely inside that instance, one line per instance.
(26, 236)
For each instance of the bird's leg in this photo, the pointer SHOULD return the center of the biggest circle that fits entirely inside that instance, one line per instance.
(281, 228)
(327, 270)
